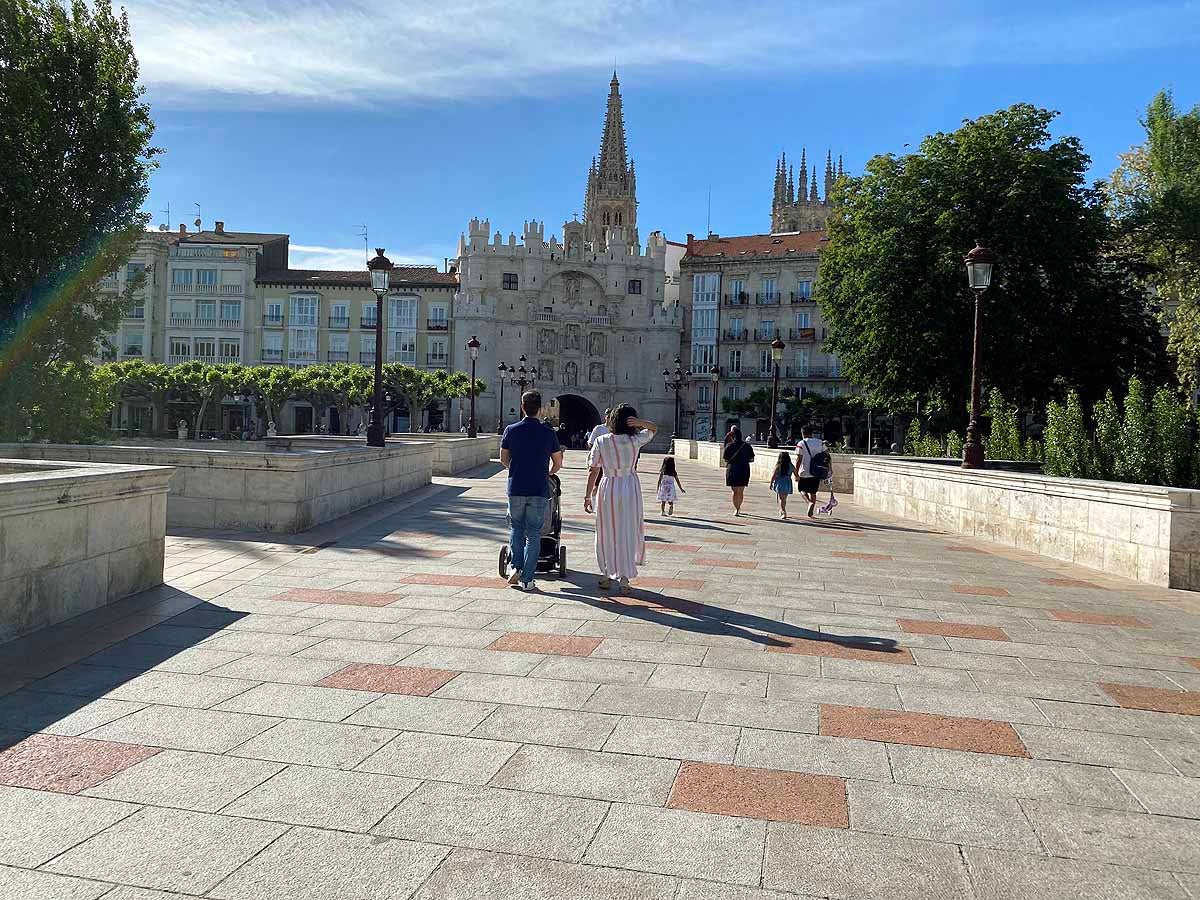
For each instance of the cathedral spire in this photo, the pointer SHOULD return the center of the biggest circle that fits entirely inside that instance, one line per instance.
(611, 197)
(613, 157)
(803, 173)
(791, 187)
(812, 193)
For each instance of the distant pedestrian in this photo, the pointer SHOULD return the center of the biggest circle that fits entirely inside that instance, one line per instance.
(530, 452)
(617, 493)
(814, 465)
(781, 481)
(669, 487)
(738, 456)
(600, 429)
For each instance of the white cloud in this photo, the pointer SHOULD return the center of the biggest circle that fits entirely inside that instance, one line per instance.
(350, 52)
(302, 256)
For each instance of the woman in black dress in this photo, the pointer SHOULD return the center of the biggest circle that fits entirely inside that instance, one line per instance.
(738, 456)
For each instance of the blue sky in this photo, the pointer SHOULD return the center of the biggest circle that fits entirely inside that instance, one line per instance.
(315, 118)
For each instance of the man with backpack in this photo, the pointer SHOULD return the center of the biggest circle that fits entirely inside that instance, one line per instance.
(813, 465)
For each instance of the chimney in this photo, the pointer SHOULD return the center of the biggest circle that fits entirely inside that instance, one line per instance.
(182, 228)
(713, 236)
(220, 227)
(691, 237)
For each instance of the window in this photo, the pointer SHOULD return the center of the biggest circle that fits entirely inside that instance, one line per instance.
(835, 365)
(134, 342)
(704, 320)
(703, 357)
(765, 363)
(181, 277)
(368, 315)
(438, 318)
(635, 286)
(735, 392)
(339, 342)
(703, 394)
(403, 346)
(402, 312)
(138, 310)
(302, 343)
(735, 326)
(339, 315)
(366, 348)
(231, 311)
(304, 310)
(803, 320)
(802, 358)
(768, 289)
(768, 329)
(804, 290)
(206, 312)
(508, 281)
(274, 312)
(181, 348)
(437, 352)
(273, 340)
(704, 288)
(231, 278)
(737, 289)
(206, 277)
(735, 362)
(133, 270)
(206, 348)
(230, 348)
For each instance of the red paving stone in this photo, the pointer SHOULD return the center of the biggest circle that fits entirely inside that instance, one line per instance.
(724, 562)
(1072, 582)
(979, 590)
(1192, 661)
(48, 762)
(761, 794)
(1165, 700)
(808, 647)
(412, 680)
(683, 584)
(958, 548)
(740, 542)
(953, 629)
(409, 551)
(672, 548)
(342, 598)
(847, 554)
(921, 730)
(1091, 618)
(551, 644)
(453, 580)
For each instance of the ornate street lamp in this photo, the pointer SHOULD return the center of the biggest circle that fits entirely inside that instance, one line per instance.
(777, 348)
(380, 268)
(675, 381)
(979, 264)
(473, 350)
(715, 374)
(502, 376)
(520, 378)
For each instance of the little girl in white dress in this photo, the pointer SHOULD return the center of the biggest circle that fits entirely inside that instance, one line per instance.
(668, 486)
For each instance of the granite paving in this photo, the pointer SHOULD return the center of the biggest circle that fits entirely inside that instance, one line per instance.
(856, 707)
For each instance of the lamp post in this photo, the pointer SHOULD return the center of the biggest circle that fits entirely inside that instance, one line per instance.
(520, 378)
(502, 376)
(675, 381)
(979, 276)
(715, 374)
(380, 268)
(473, 350)
(777, 348)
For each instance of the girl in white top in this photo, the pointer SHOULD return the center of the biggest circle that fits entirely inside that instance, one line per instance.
(806, 483)
(669, 487)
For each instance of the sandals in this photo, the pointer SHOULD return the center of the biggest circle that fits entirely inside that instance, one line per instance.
(605, 584)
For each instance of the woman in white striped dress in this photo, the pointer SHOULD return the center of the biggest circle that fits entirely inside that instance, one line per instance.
(614, 493)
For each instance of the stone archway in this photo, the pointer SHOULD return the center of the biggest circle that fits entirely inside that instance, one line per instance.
(576, 415)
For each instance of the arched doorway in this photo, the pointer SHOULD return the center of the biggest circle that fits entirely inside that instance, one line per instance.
(577, 416)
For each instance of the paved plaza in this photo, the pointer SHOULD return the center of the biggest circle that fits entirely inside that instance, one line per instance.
(857, 708)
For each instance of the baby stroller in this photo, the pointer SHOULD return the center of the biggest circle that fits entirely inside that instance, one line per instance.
(552, 555)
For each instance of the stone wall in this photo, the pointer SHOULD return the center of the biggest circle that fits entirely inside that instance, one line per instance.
(247, 487)
(709, 453)
(1138, 531)
(76, 536)
(453, 453)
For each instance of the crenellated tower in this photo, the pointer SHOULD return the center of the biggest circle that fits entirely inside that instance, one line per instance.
(611, 198)
(797, 206)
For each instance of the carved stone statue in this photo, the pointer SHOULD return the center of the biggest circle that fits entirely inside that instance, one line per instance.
(271, 429)
(596, 373)
(571, 375)
(546, 340)
(571, 288)
(546, 370)
(597, 343)
(573, 338)
(182, 430)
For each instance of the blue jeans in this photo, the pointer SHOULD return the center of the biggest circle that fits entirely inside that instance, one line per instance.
(525, 518)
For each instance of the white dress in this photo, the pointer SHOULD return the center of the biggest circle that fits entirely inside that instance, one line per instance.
(620, 529)
(666, 490)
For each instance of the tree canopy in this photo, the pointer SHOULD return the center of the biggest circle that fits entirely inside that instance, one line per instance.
(76, 156)
(1060, 310)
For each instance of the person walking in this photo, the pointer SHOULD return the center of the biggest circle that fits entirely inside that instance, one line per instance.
(738, 456)
(531, 453)
(669, 487)
(812, 464)
(781, 481)
(600, 429)
(614, 494)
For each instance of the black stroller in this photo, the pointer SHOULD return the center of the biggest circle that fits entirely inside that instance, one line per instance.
(552, 555)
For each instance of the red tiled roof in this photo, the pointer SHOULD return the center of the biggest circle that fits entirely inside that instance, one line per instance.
(400, 275)
(773, 245)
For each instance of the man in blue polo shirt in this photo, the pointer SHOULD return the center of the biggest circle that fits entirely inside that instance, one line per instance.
(530, 452)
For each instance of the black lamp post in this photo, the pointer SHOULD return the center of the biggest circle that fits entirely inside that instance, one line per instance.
(521, 378)
(979, 264)
(380, 268)
(473, 350)
(777, 348)
(502, 373)
(715, 374)
(674, 381)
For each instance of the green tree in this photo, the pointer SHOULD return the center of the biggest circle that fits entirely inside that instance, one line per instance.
(355, 387)
(410, 387)
(1108, 436)
(1135, 458)
(1155, 196)
(1068, 447)
(1004, 438)
(76, 156)
(203, 385)
(912, 438)
(1172, 439)
(893, 288)
(954, 445)
(271, 387)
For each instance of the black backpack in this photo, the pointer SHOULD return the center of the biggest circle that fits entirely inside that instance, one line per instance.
(819, 465)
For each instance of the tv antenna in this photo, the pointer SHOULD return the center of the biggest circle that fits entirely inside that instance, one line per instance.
(708, 229)
(363, 234)
(197, 222)
(167, 213)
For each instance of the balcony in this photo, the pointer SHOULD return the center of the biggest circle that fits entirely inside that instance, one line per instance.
(213, 253)
(795, 297)
(437, 325)
(181, 320)
(108, 284)
(271, 321)
(235, 289)
(205, 322)
(433, 359)
(803, 335)
(739, 299)
(339, 322)
(230, 323)
(765, 335)
(739, 335)
(598, 320)
(302, 356)
(404, 357)
(269, 355)
(768, 299)
(368, 322)
(175, 359)
(811, 372)
(226, 359)
(703, 405)
(545, 317)
(133, 351)
(138, 314)
(337, 355)
(366, 359)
